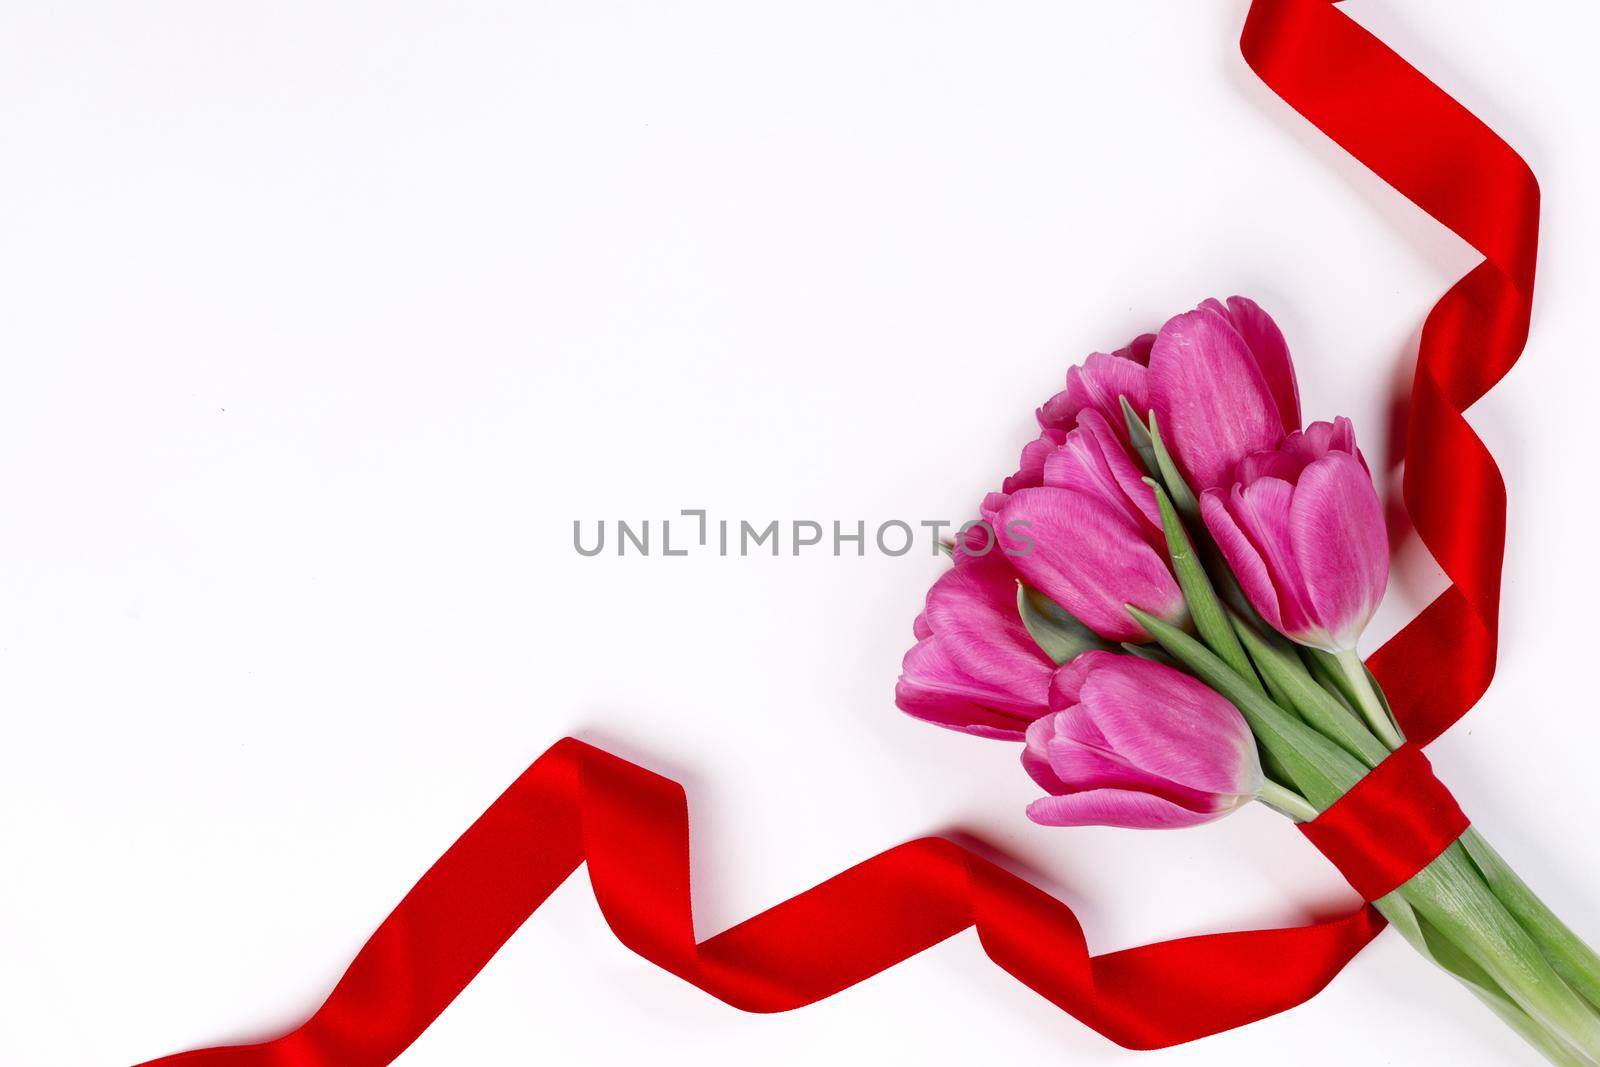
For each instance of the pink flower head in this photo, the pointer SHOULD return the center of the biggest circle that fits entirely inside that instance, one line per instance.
(1087, 553)
(975, 667)
(1222, 386)
(1092, 460)
(1089, 537)
(1302, 529)
(1132, 743)
(1093, 396)
(1099, 385)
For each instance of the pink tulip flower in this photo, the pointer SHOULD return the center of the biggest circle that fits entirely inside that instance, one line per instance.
(1222, 386)
(975, 667)
(1132, 743)
(1099, 385)
(1089, 537)
(1302, 529)
(1089, 556)
(1094, 393)
(1092, 460)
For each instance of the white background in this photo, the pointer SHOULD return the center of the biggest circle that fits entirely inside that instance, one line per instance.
(320, 323)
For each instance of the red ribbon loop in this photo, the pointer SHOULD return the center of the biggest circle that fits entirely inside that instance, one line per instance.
(1393, 823)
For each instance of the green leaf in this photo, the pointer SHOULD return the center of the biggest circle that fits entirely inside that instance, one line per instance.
(1450, 894)
(1289, 680)
(1053, 628)
(1319, 770)
(1374, 708)
(1274, 690)
(1450, 958)
(1182, 495)
(1139, 434)
(1325, 669)
(1572, 959)
(1209, 617)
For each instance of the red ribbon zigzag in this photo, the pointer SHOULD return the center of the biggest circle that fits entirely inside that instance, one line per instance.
(577, 804)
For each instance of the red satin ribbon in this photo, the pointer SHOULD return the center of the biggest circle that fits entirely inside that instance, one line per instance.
(578, 804)
(1394, 822)
(1436, 152)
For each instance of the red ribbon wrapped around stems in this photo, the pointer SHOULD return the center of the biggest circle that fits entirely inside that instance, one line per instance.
(1390, 825)
(577, 804)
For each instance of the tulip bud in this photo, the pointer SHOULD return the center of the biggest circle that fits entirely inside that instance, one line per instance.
(1302, 529)
(1222, 386)
(1095, 534)
(1091, 459)
(975, 668)
(1129, 742)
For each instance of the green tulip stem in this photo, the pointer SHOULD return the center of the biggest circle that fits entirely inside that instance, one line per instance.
(1206, 611)
(1372, 710)
(1572, 959)
(1452, 896)
(1286, 801)
(1449, 957)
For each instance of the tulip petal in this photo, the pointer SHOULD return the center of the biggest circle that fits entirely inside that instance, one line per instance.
(1242, 557)
(985, 539)
(1069, 679)
(975, 667)
(1067, 753)
(1169, 726)
(1299, 450)
(1091, 559)
(1102, 382)
(1030, 471)
(1138, 744)
(1137, 349)
(956, 708)
(1120, 807)
(1320, 438)
(1341, 547)
(1092, 459)
(1098, 385)
(945, 666)
(975, 608)
(1034, 756)
(1081, 766)
(1266, 343)
(1210, 395)
(1262, 511)
(1282, 463)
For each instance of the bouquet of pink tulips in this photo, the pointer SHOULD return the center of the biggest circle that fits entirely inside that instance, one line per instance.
(1162, 605)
